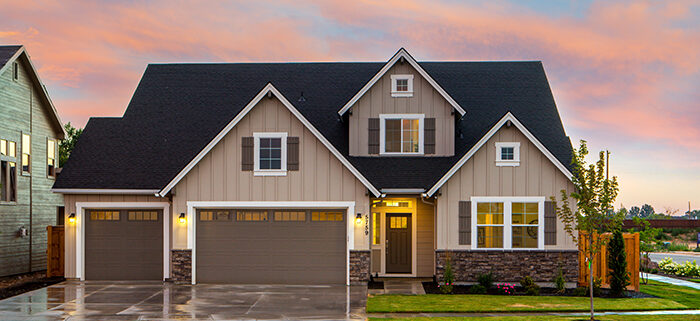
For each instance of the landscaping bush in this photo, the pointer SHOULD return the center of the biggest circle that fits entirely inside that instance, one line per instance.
(447, 286)
(477, 289)
(485, 280)
(687, 269)
(678, 247)
(581, 291)
(505, 288)
(617, 263)
(697, 249)
(560, 282)
(529, 285)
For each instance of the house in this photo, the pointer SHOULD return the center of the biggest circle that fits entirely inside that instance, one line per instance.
(303, 173)
(30, 130)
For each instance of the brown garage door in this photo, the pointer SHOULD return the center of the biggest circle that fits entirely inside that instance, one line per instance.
(124, 244)
(271, 246)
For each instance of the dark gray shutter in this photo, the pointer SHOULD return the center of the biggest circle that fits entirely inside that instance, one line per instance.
(373, 138)
(550, 224)
(429, 136)
(247, 153)
(465, 222)
(292, 153)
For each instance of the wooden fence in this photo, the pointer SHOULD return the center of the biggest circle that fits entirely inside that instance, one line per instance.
(600, 261)
(54, 251)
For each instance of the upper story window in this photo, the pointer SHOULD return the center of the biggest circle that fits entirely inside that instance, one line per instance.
(51, 157)
(508, 154)
(508, 222)
(8, 171)
(401, 85)
(270, 154)
(401, 134)
(15, 71)
(26, 154)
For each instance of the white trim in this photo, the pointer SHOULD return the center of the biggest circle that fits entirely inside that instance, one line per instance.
(39, 83)
(402, 53)
(105, 191)
(283, 155)
(269, 88)
(382, 133)
(508, 162)
(192, 229)
(403, 190)
(395, 92)
(508, 117)
(507, 222)
(80, 208)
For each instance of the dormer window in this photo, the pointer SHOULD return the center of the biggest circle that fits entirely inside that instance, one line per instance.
(508, 154)
(401, 134)
(401, 85)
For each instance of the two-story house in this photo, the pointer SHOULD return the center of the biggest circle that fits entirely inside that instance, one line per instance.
(304, 173)
(29, 134)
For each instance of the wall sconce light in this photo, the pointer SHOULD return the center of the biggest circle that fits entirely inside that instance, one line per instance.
(71, 218)
(182, 218)
(358, 218)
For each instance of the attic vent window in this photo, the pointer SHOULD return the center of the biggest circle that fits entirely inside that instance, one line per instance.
(15, 71)
(508, 154)
(401, 85)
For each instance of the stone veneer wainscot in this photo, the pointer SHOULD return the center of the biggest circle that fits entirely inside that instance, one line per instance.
(181, 266)
(359, 266)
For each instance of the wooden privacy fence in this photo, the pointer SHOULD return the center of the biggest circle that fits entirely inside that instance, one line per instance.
(54, 251)
(600, 260)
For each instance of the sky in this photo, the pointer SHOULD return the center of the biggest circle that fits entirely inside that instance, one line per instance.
(625, 74)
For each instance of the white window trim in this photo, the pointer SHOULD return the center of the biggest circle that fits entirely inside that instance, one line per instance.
(270, 172)
(396, 93)
(508, 162)
(507, 220)
(382, 132)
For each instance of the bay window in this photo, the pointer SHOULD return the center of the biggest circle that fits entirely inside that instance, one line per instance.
(508, 222)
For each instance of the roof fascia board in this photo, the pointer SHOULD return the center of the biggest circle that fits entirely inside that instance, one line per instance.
(508, 117)
(402, 53)
(38, 83)
(269, 88)
(104, 191)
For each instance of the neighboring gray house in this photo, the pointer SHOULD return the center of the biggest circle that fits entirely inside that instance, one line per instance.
(324, 173)
(29, 134)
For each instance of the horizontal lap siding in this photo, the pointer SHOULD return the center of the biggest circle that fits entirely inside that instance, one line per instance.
(536, 176)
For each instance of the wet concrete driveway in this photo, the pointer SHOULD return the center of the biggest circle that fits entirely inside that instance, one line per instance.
(74, 300)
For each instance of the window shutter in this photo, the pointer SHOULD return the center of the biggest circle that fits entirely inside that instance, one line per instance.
(247, 153)
(550, 224)
(429, 136)
(373, 138)
(292, 153)
(465, 222)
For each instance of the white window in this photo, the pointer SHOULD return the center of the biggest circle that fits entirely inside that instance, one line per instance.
(270, 151)
(508, 154)
(508, 222)
(401, 134)
(401, 85)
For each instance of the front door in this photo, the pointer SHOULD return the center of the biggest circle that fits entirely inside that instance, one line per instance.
(398, 243)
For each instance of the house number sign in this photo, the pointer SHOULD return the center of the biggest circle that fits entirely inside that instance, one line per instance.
(366, 224)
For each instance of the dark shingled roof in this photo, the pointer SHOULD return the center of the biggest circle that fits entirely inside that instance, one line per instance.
(178, 108)
(6, 52)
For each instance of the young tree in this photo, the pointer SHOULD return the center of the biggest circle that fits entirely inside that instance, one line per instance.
(593, 197)
(65, 147)
(646, 239)
(617, 263)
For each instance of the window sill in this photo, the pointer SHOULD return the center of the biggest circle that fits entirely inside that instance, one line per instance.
(401, 94)
(508, 163)
(270, 173)
(8, 203)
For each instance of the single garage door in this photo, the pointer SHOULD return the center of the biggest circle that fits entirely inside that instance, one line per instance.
(271, 246)
(124, 244)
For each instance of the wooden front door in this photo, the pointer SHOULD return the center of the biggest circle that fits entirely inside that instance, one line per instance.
(398, 243)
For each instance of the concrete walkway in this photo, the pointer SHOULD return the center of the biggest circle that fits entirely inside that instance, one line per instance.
(673, 281)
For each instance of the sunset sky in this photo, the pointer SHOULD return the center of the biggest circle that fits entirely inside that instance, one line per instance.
(625, 75)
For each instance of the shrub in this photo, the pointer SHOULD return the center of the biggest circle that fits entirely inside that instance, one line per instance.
(677, 247)
(505, 288)
(485, 280)
(447, 286)
(477, 289)
(560, 282)
(581, 291)
(529, 285)
(617, 263)
(687, 269)
(697, 249)
(597, 283)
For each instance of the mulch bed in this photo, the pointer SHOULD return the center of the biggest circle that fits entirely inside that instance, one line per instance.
(21, 283)
(375, 285)
(432, 288)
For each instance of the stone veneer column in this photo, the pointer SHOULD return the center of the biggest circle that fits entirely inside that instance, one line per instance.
(509, 265)
(181, 266)
(359, 266)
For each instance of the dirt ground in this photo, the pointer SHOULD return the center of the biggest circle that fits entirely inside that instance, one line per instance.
(18, 284)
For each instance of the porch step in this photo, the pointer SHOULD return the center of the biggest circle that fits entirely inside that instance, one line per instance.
(403, 286)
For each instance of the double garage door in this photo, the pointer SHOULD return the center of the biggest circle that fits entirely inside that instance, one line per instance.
(271, 246)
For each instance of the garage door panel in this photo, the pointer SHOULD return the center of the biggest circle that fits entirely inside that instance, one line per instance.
(285, 252)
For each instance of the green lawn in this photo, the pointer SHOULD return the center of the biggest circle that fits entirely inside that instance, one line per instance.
(501, 303)
(682, 294)
(685, 317)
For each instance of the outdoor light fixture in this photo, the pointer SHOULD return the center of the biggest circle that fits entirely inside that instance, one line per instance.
(183, 220)
(358, 218)
(71, 218)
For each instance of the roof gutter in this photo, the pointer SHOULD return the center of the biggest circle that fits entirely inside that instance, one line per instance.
(105, 191)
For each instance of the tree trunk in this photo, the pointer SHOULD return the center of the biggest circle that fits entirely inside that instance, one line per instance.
(590, 274)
